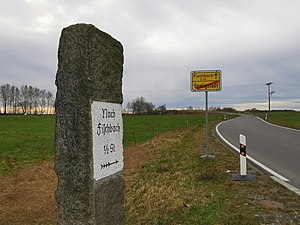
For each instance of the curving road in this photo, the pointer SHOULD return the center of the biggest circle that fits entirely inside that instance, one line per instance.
(277, 148)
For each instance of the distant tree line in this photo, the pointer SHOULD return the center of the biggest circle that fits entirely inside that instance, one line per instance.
(224, 109)
(141, 106)
(25, 100)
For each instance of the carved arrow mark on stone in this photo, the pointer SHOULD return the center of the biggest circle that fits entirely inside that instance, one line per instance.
(108, 164)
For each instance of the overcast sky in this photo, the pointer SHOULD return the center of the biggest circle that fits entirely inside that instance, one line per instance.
(251, 42)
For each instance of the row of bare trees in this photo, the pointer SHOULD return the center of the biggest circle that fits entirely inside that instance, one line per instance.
(25, 100)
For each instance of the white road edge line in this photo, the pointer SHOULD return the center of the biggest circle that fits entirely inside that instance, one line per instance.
(287, 185)
(276, 176)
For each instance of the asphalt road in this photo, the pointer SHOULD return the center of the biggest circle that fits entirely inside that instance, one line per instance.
(276, 147)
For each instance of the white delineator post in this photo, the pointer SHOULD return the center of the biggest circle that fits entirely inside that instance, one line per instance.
(243, 176)
(243, 156)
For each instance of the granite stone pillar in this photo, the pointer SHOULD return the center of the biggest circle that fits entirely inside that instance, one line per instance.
(89, 87)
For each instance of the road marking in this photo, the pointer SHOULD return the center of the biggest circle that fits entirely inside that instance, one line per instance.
(249, 157)
(287, 185)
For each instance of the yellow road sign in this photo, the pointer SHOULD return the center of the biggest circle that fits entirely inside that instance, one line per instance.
(206, 80)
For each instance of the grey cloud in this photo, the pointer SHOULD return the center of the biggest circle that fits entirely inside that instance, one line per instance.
(252, 42)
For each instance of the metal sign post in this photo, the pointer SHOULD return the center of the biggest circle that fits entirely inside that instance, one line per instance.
(206, 124)
(206, 80)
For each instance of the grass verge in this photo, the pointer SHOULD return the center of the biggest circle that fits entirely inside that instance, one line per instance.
(284, 118)
(176, 186)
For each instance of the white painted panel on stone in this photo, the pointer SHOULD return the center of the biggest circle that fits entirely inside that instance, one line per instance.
(107, 128)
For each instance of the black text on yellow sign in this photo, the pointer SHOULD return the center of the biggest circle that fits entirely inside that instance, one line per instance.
(206, 80)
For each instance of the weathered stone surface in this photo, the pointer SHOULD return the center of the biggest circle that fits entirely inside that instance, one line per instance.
(90, 67)
(111, 196)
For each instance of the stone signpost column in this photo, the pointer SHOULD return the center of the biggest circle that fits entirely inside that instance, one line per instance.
(89, 127)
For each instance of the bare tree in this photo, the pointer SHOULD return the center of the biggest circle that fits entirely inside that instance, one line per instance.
(161, 109)
(24, 99)
(42, 100)
(5, 95)
(149, 107)
(17, 100)
(35, 99)
(50, 101)
(140, 106)
(14, 98)
(30, 98)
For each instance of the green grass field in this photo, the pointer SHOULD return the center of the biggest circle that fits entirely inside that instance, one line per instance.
(285, 118)
(21, 137)
(139, 129)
